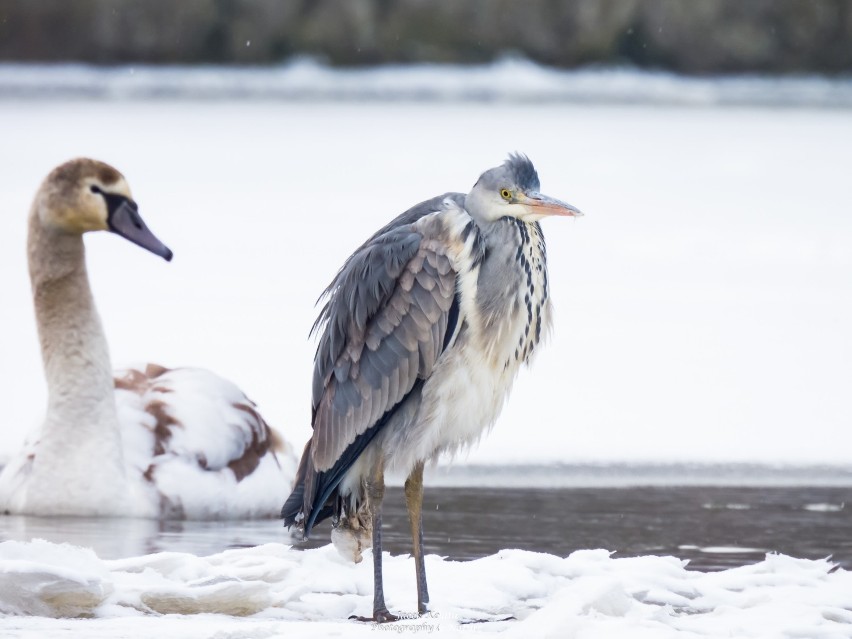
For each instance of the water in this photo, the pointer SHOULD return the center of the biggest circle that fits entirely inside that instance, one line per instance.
(714, 527)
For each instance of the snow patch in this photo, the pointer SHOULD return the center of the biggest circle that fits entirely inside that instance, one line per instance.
(825, 508)
(511, 80)
(275, 590)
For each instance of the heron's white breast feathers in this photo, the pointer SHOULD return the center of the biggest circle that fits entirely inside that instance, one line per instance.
(471, 381)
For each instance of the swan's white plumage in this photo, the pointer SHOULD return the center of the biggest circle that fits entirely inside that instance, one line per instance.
(184, 466)
(151, 442)
(200, 445)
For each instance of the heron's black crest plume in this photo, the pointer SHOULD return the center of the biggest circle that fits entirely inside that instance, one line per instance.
(523, 171)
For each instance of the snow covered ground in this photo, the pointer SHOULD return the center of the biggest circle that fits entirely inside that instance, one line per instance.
(702, 305)
(510, 80)
(271, 590)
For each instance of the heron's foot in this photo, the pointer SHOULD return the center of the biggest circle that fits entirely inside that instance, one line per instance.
(422, 608)
(468, 621)
(383, 616)
(379, 616)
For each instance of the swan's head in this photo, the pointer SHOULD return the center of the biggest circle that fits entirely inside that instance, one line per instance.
(87, 195)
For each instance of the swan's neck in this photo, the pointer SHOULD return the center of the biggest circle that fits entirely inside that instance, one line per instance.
(80, 440)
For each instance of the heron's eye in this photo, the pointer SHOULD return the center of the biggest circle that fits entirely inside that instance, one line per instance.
(506, 194)
(95, 189)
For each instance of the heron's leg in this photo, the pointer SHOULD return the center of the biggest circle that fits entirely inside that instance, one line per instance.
(375, 495)
(414, 501)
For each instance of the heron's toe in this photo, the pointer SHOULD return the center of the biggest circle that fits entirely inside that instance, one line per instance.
(379, 616)
(383, 616)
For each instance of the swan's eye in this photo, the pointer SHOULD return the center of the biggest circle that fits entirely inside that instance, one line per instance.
(506, 194)
(95, 189)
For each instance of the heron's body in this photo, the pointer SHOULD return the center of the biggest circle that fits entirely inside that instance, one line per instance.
(425, 329)
(151, 442)
(472, 377)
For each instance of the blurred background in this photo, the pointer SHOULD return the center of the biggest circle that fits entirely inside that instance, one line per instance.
(717, 36)
(703, 304)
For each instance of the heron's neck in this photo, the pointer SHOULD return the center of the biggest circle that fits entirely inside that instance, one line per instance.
(512, 290)
(81, 414)
(504, 235)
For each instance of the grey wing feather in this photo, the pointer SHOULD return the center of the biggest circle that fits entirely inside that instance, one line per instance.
(341, 290)
(384, 325)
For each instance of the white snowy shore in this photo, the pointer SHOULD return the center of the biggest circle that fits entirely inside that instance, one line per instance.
(511, 80)
(702, 303)
(52, 590)
(703, 306)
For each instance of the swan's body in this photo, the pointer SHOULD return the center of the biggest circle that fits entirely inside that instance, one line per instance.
(183, 443)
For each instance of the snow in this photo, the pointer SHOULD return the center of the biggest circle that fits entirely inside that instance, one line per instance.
(510, 80)
(702, 304)
(824, 508)
(702, 313)
(274, 590)
(604, 473)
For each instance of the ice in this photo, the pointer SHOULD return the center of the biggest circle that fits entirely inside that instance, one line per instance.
(275, 590)
(702, 313)
(824, 508)
(510, 80)
(52, 580)
(728, 549)
(701, 305)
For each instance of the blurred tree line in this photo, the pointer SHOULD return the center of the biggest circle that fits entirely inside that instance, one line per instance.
(688, 36)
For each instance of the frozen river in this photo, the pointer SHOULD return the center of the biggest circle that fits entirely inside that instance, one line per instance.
(702, 314)
(702, 304)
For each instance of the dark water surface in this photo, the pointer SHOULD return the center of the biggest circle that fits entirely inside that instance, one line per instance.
(714, 527)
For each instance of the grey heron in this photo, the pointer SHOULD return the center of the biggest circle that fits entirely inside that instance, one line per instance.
(424, 329)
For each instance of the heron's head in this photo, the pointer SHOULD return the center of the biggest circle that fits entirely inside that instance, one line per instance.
(86, 195)
(512, 190)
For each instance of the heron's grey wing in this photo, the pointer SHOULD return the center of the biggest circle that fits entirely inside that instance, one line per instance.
(386, 325)
(443, 202)
(439, 203)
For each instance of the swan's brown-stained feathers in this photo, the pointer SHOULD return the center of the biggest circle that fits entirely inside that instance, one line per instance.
(153, 385)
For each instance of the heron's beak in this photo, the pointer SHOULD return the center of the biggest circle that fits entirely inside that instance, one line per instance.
(124, 220)
(545, 205)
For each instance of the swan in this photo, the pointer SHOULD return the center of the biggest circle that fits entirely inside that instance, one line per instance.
(147, 442)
